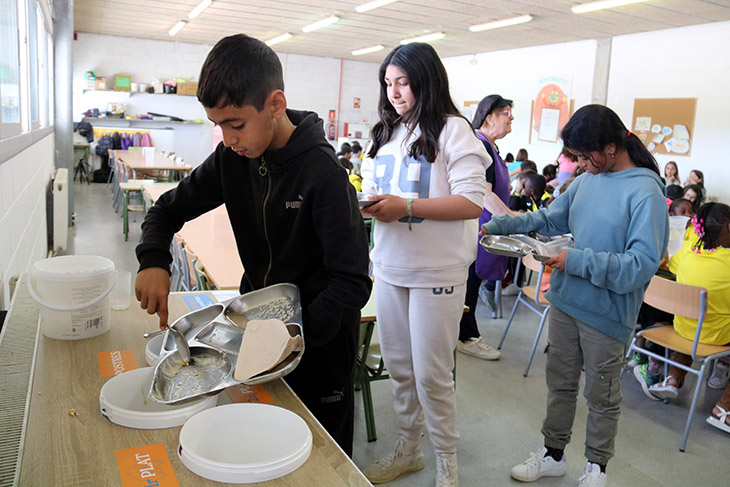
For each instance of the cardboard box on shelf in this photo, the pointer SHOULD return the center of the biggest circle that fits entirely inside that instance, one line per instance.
(100, 84)
(189, 88)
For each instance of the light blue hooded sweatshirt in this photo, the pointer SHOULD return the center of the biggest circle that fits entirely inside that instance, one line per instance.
(620, 225)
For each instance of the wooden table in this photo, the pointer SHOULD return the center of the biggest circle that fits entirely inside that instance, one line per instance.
(135, 160)
(210, 237)
(61, 449)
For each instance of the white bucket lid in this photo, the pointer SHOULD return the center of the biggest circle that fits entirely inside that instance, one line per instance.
(152, 350)
(123, 400)
(244, 443)
(71, 267)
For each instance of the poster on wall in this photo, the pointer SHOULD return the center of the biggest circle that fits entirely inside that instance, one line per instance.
(665, 125)
(551, 108)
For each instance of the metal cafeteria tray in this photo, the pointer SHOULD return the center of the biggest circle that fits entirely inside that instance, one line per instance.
(214, 344)
(503, 245)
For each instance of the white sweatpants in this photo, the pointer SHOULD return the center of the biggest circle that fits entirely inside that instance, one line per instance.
(418, 331)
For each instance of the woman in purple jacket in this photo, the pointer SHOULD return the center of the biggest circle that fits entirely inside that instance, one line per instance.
(492, 121)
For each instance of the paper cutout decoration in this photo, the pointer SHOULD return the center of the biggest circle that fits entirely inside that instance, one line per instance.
(642, 123)
(680, 132)
(651, 146)
(666, 131)
(680, 146)
(642, 136)
(658, 138)
(265, 344)
(668, 145)
(656, 128)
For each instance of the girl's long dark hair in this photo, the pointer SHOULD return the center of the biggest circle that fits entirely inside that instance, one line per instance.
(432, 105)
(709, 220)
(593, 127)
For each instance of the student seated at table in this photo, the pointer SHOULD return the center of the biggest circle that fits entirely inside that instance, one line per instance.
(533, 195)
(294, 216)
(703, 261)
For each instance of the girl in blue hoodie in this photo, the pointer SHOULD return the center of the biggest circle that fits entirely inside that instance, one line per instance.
(617, 214)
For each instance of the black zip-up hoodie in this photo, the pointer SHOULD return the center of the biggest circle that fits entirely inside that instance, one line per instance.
(295, 218)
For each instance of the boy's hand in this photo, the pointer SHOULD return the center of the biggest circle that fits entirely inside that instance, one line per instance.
(558, 262)
(388, 207)
(151, 289)
(483, 231)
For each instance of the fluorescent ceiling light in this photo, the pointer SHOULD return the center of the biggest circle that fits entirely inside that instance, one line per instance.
(320, 24)
(201, 6)
(371, 5)
(591, 6)
(177, 28)
(367, 50)
(278, 39)
(501, 23)
(428, 37)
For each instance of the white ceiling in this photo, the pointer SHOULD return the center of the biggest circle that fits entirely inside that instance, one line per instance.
(265, 19)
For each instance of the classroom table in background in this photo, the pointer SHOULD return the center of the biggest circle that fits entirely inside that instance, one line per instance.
(135, 160)
(210, 237)
(67, 441)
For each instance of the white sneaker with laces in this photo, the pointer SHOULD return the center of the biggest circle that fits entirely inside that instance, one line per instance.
(446, 471)
(477, 348)
(538, 466)
(407, 457)
(592, 476)
(511, 290)
(719, 377)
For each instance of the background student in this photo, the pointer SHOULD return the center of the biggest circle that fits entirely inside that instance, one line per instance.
(426, 170)
(617, 214)
(271, 156)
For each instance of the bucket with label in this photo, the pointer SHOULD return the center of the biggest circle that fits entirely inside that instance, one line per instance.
(73, 291)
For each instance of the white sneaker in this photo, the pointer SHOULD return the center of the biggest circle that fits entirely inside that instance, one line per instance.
(538, 466)
(407, 457)
(446, 471)
(719, 377)
(592, 476)
(477, 348)
(511, 290)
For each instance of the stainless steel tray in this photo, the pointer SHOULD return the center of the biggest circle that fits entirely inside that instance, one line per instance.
(503, 245)
(214, 344)
(518, 245)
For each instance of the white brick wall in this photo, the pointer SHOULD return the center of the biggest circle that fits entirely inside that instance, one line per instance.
(23, 182)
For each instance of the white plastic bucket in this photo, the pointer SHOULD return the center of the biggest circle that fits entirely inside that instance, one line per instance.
(244, 443)
(74, 293)
(677, 226)
(124, 400)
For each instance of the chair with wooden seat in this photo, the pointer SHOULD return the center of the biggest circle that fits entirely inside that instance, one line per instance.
(534, 299)
(201, 276)
(370, 366)
(690, 302)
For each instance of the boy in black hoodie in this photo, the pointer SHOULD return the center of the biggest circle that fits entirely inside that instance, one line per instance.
(294, 216)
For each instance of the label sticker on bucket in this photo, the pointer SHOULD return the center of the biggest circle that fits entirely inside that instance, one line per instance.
(254, 393)
(147, 466)
(197, 301)
(115, 362)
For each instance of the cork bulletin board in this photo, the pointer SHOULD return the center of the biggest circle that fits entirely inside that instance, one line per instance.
(665, 125)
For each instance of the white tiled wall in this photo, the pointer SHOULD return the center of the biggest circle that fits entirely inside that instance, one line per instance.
(23, 181)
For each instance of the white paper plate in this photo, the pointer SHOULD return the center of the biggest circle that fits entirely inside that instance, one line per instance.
(244, 443)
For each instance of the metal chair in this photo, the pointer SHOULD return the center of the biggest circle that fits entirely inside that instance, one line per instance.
(690, 302)
(534, 299)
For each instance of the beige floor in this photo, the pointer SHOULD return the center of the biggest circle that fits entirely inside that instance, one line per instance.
(499, 411)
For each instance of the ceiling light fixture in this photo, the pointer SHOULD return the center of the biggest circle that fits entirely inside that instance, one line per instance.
(426, 38)
(367, 50)
(592, 6)
(177, 28)
(320, 24)
(201, 6)
(501, 23)
(278, 39)
(372, 5)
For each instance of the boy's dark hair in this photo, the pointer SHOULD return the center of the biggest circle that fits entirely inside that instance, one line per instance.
(238, 71)
(593, 127)
(525, 174)
(509, 157)
(346, 163)
(679, 202)
(429, 83)
(538, 183)
(344, 149)
(528, 166)
(675, 191)
(356, 147)
(550, 170)
(711, 217)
